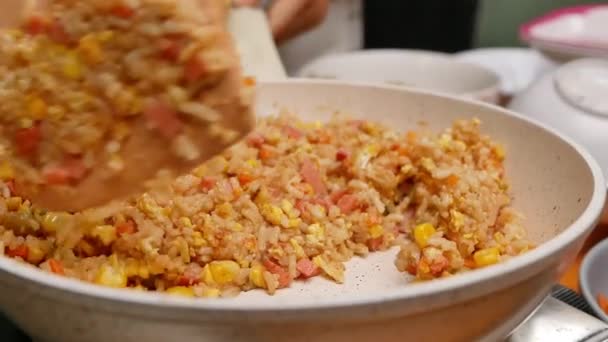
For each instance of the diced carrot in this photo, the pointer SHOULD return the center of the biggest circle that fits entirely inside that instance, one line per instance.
(169, 48)
(163, 118)
(255, 140)
(274, 268)
(342, 154)
(307, 268)
(187, 280)
(412, 269)
(122, 11)
(56, 266)
(311, 175)
(375, 244)
(207, 183)
(36, 24)
(265, 153)
(195, 69)
(602, 301)
(20, 251)
(469, 263)
(27, 140)
(245, 178)
(394, 147)
(348, 203)
(292, 132)
(126, 228)
(249, 81)
(452, 180)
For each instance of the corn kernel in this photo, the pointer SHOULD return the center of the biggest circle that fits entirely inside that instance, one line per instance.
(499, 151)
(333, 270)
(143, 271)
(486, 257)
(297, 248)
(90, 49)
(376, 231)
(6, 171)
(106, 234)
(211, 292)
(14, 203)
(422, 233)
(111, 276)
(457, 219)
(272, 214)
(207, 276)
(71, 67)
(186, 222)
(52, 221)
(181, 291)
(256, 275)
(224, 271)
(252, 163)
(198, 240)
(294, 223)
(428, 164)
(224, 210)
(236, 227)
(35, 254)
(36, 108)
(317, 231)
(105, 36)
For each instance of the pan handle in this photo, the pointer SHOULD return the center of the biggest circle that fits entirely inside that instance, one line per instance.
(557, 321)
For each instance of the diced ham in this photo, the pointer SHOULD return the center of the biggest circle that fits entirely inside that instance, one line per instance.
(292, 132)
(265, 153)
(72, 169)
(348, 203)
(311, 175)
(335, 197)
(439, 265)
(163, 118)
(342, 154)
(307, 268)
(195, 69)
(122, 11)
(58, 34)
(255, 140)
(36, 24)
(169, 48)
(375, 244)
(27, 140)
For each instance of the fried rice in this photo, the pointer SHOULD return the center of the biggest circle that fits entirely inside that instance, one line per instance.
(294, 201)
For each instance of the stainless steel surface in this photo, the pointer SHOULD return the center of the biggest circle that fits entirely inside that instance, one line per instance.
(556, 321)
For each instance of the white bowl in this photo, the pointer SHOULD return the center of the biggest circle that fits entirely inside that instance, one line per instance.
(517, 68)
(556, 185)
(573, 100)
(412, 68)
(570, 33)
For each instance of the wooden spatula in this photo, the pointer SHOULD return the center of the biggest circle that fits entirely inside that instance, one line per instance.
(119, 91)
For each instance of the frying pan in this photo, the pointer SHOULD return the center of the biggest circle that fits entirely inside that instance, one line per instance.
(556, 184)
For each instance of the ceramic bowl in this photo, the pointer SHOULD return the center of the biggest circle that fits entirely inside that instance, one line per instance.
(570, 33)
(593, 277)
(555, 183)
(412, 68)
(517, 68)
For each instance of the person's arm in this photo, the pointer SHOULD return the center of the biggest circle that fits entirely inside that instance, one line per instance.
(290, 18)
